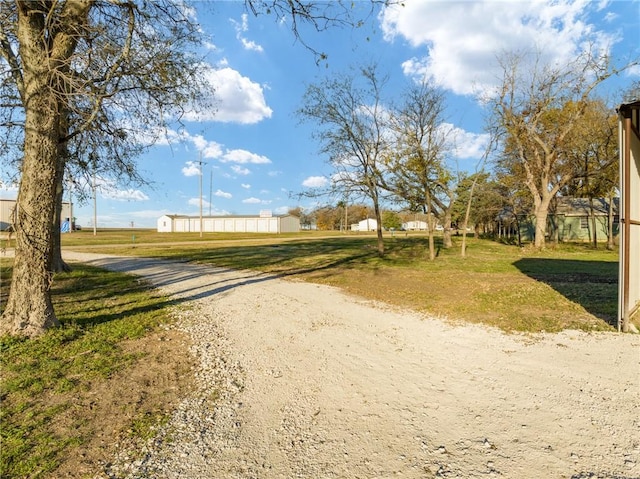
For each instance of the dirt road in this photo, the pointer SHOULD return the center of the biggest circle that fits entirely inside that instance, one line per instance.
(300, 380)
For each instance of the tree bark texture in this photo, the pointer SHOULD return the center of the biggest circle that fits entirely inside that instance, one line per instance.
(45, 50)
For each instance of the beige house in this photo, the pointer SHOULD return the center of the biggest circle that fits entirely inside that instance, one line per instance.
(7, 209)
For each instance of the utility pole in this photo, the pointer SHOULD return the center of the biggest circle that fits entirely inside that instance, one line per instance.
(200, 163)
(210, 191)
(95, 214)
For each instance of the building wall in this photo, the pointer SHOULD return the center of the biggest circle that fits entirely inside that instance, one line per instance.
(186, 224)
(8, 206)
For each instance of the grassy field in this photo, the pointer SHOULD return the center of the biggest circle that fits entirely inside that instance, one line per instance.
(515, 289)
(71, 395)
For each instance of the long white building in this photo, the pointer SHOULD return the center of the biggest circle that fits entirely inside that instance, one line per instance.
(229, 224)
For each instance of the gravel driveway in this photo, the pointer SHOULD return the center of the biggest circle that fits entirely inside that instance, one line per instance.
(298, 380)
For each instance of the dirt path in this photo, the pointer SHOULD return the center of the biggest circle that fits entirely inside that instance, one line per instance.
(300, 380)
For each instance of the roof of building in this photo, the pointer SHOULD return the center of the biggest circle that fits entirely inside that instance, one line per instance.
(228, 216)
(570, 206)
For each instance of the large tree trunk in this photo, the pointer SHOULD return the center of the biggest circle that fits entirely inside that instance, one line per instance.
(541, 212)
(58, 265)
(29, 310)
(45, 54)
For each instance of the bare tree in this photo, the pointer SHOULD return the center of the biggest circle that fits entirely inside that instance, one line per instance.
(416, 170)
(349, 110)
(83, 79)
(535, 109)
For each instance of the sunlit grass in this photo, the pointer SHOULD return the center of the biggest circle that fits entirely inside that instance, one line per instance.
(41, 377)
(513, 288)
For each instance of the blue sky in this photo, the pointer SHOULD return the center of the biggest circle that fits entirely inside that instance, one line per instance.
(257, 154)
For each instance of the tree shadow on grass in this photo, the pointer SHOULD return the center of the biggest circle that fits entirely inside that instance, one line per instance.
(591, 284)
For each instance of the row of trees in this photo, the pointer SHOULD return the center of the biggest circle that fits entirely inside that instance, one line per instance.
(549, 135)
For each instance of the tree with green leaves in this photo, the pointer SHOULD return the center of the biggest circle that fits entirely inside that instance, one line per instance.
(534, 110)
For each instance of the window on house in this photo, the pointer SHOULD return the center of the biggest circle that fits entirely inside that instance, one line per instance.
(584, 222)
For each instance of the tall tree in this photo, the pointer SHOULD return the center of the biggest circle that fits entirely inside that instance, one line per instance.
(73, 65)
(94, 73)
(351, 116)
(416, 167)
(535, 108)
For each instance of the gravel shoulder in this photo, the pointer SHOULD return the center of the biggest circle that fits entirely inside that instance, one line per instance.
(300, 380)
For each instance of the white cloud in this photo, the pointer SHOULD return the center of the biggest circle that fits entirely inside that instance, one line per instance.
(123, 195)
(223, 194)
(315, 182)
(243, 28)
(212, 150)
(239, 170)
(8, 191)
(252, 201)
(246, 186)
(237, 99)
(466, 144)
(191, 168)
(243, 157)
(196, 202)
(460, 40)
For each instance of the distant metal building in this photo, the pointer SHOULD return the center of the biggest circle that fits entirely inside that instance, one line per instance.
(7, 209)
(229, 224)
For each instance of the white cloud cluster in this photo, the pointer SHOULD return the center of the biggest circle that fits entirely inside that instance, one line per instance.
(223, 194)
(462, 39)
(215, 151)
(315, 182)
(129, 194)
(255, 201)
(196, 202)
(242, 28)
(465, 144)
(191, 168)
(243, 157)
(239, 170)
(237, 99)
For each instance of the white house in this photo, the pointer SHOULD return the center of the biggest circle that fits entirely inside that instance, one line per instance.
(415, 225)
(229, 224)
(369, 224)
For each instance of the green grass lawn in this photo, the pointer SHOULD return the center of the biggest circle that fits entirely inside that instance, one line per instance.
(49, 385)
(515, 289)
